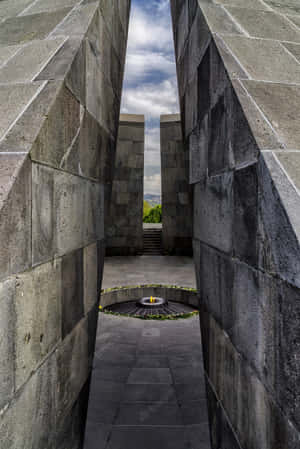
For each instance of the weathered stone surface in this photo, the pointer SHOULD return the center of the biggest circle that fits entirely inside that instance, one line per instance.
(7, 326)
(91, 267)
(277, 198)
(218, 19)
(290, 161)
(43, 214)
(213, 211)
(49, 5)
(72, 367)
(38, 317)
(14, 99)
(264, 59)
(264, 24)
(10, 8)
(176, 192)
(15, 214)
(124, 226)
(8, 52)
(279, 102)
(22, 425)
(288, 7)
(78, 205)
(77, 22)
(17, 30)
(58, 131)
(21, 136)
(72, 290)
(29, 61)
(245, 225)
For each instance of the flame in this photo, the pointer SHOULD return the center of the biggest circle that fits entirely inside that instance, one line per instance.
(152, 300)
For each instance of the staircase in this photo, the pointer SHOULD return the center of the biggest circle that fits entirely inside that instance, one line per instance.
(152, 241)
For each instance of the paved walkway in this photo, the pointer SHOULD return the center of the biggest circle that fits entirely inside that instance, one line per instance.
(147, 389)
(171, 270)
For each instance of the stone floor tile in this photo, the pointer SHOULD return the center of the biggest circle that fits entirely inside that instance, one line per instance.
(149, 413)
(150, 376)
(96, 435)
(153, 437)
(149, 393)
(152, 361)
(193, 391)
(194, 412)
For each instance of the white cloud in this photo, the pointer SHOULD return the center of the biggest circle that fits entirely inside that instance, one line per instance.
(140, 65)
(152, 184)
(152, 100)
(150, 31)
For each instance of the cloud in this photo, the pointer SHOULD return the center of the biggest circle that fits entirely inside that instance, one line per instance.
(141, 66)
(152, 184)
(150, 30)
(151, 99)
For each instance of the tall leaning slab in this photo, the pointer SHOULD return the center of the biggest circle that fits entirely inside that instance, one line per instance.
(238, 66)
(61, 73)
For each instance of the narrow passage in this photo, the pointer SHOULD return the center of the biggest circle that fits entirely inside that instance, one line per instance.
(148, 389)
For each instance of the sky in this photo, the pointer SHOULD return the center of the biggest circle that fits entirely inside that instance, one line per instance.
(150, 84)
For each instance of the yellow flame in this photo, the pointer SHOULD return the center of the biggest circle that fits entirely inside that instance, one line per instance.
(152, 300)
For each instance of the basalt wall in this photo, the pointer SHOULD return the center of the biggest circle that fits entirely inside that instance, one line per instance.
(238, 67)
(124, 229)
(61, 71)
(177, 200)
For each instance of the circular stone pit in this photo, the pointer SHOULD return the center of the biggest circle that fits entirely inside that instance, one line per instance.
(150, 301)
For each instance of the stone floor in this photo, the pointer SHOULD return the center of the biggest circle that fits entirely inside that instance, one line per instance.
(171, 270)
(147, 388)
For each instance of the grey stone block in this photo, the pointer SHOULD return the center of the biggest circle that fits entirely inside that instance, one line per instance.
(213, 212)
(38, 317)
(218, 19)
(276, 198)
(47, 5)
(10, 8)
(245, 227)
(273, 99)
(91, 267)
(264, 24)
(29, 61)
(77, 22)
(14, 100)
(58, 131)
(73, 371)
(198, 149)
(264, 59)
(22, 135)
(78, 205)
(18, 30)
(43, 214)
(72, 271)
(23, 424)
(15, 214)
(7, 374)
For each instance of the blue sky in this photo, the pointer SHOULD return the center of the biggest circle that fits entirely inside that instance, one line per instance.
(150, 84)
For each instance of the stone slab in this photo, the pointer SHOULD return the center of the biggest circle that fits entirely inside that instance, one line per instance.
(29, 61)
(14, 100)
(17, 30)
(280, 104)
(15, 216)
(264, 24)
(72, 290)
(7, 327)
(38, 317)
(49, 5)
(264, 59)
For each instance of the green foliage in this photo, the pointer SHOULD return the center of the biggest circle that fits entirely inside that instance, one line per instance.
(153, 215)
(177, 316)
(147, 208)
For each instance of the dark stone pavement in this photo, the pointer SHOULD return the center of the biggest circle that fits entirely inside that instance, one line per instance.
(147, 389)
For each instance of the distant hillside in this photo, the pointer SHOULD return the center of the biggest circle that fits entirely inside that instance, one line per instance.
(153, 200)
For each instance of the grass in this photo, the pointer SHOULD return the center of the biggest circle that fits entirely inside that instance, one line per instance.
(153, 317)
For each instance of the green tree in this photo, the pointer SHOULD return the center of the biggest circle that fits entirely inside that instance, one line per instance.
(147, 209)
(154, 215)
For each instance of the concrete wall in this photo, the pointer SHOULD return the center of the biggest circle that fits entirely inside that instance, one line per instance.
(124, 229)
(238, 71)
(177, 200)
(61, 70)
